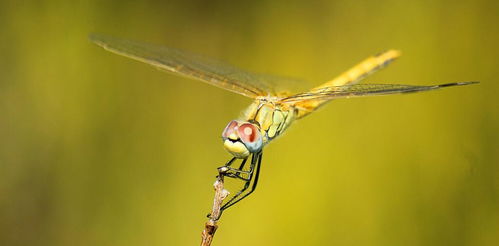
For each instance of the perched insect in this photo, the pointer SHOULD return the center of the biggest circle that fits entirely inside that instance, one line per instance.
(272, 112)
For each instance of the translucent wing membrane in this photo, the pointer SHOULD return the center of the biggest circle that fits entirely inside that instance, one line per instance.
(191, 65)
(359, 90)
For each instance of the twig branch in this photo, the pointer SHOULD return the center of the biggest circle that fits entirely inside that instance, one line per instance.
(211, 226)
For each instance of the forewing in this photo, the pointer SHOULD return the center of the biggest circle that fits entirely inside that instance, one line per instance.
(190, 65)
(359, 90)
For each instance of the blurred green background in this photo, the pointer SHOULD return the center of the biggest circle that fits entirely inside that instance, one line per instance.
(97, 149)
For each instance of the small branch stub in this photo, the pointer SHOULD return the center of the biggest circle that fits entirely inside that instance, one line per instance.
(211, 226)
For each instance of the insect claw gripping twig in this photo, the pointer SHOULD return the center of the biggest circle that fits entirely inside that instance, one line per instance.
(222, 170)
(221, 193)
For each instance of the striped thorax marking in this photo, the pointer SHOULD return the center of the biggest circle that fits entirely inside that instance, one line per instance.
(272, 118)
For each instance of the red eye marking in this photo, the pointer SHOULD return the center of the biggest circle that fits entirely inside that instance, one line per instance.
(247, 132)
(229, 129)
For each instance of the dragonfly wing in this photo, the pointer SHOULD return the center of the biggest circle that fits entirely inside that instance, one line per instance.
(359, 90)
(284, 86)
(352, 76)
(190, 65)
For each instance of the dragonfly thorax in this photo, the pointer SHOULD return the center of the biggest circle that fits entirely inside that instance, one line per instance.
(272, 118)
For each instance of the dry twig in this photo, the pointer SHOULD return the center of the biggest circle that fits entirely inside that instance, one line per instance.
(211, 226)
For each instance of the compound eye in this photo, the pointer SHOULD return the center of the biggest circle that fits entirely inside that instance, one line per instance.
(251, 137)
(229, 129)
(248, 133)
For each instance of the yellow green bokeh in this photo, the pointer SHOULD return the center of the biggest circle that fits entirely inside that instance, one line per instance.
(97, 149)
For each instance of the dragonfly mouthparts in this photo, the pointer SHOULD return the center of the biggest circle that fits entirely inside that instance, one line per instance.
(233, 140)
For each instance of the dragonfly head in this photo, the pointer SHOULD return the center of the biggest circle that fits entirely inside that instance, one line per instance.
(242, 138)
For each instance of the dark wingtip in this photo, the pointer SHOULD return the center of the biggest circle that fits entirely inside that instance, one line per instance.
(458, 84)
(95, 38)
(99, 39)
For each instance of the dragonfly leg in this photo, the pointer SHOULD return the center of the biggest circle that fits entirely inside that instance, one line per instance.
(229, 163)
(231, 172)
(256, 161)
(241, 166)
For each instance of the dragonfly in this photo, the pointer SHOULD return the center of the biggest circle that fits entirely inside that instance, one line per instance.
(272, 111)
